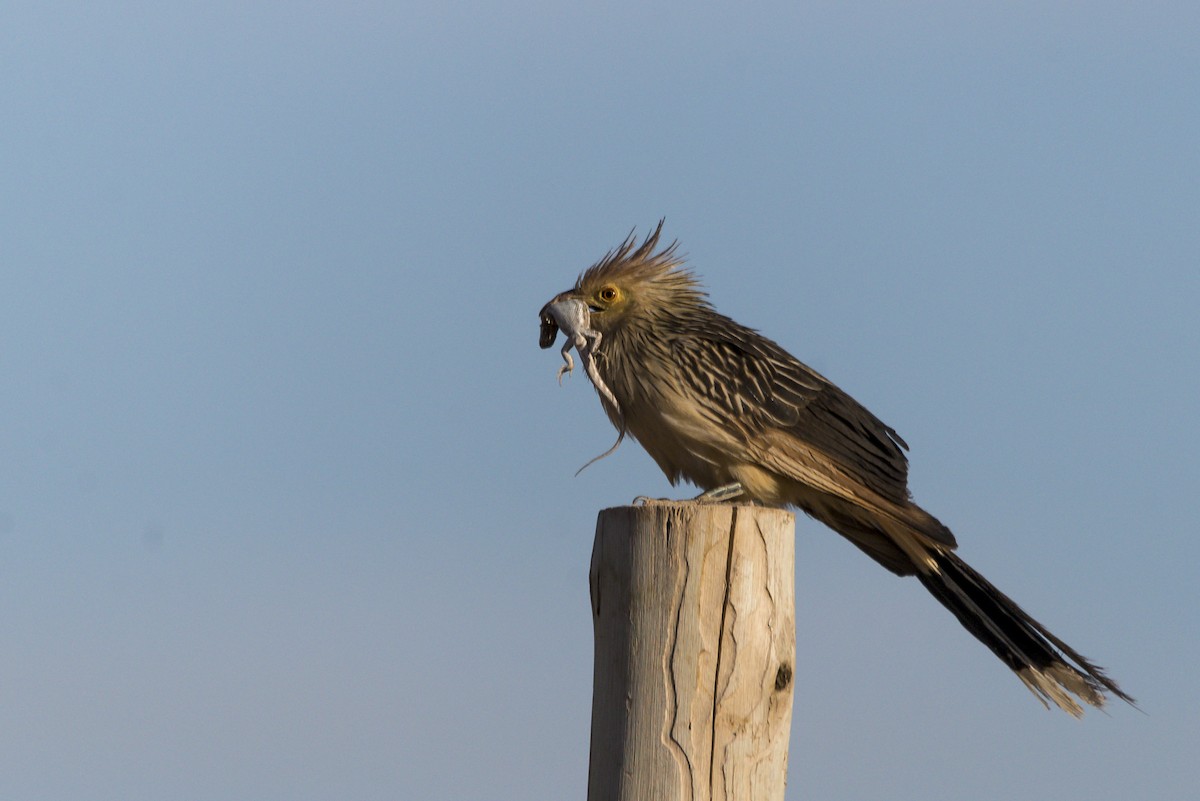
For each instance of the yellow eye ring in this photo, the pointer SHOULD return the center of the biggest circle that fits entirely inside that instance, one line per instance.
(608, 293)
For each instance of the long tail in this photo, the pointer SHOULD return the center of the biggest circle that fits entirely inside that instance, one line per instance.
(1049, 667)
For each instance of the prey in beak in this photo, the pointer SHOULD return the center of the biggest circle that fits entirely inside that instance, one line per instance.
(574, 318)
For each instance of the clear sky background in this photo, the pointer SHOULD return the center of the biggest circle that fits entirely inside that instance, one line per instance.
(286, 497)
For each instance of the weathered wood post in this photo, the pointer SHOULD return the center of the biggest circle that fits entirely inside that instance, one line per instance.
(694, 614)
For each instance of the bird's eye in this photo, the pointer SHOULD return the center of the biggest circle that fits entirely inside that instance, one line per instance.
(608, 293)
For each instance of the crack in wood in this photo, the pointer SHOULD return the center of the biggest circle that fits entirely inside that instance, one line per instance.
(712, 755)
(678, 750)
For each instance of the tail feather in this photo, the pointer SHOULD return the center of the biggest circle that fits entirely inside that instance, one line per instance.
(1050, 668)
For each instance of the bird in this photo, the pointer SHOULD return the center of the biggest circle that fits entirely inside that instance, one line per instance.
(720, 406)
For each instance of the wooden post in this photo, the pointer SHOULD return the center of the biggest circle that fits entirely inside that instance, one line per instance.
(694, 614)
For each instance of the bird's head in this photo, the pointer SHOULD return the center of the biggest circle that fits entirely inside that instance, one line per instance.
(631, 283)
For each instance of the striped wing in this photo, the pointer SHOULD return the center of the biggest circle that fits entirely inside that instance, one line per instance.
(750, 382)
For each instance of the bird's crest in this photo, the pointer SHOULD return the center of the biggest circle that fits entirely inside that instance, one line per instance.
(634, 263)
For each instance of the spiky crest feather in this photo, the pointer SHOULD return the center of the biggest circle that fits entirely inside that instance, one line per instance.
(636, 265)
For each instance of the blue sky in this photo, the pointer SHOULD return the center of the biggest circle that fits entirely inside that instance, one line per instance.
(286, 497)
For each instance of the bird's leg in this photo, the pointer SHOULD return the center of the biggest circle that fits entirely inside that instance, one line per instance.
(725, 492)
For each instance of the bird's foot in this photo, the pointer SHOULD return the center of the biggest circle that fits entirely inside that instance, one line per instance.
(725, 492)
